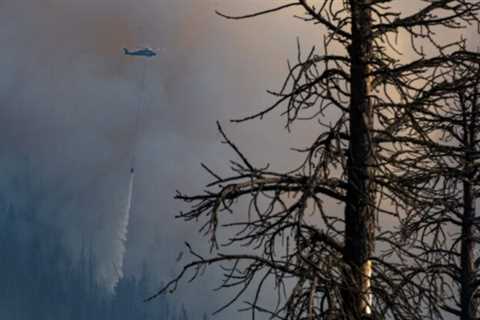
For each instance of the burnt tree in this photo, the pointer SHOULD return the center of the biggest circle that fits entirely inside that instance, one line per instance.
(444, 174)
(324, 264)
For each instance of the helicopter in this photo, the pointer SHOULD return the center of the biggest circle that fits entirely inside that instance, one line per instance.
(146, 52)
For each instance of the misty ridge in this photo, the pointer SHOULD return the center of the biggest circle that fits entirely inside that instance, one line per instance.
(41, 280)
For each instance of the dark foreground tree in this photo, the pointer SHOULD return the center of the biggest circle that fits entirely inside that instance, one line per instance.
(356, 93)
(445, 176)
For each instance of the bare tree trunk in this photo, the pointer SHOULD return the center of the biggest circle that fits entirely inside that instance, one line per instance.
(359, 216)
(467, 278)
(468, 272)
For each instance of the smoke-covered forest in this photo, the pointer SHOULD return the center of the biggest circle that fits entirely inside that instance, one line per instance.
(40, 280)
(280, 159)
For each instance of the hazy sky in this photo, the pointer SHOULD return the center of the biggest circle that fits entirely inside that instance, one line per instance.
(69, 98)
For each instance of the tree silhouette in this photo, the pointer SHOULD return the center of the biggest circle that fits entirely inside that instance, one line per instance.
(359, 92)
(443, 171)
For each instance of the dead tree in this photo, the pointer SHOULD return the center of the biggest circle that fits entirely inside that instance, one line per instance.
(469, 103)
(444, 168)
(324, 264)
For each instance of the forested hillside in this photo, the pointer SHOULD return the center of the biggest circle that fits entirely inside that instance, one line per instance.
(41, 281)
